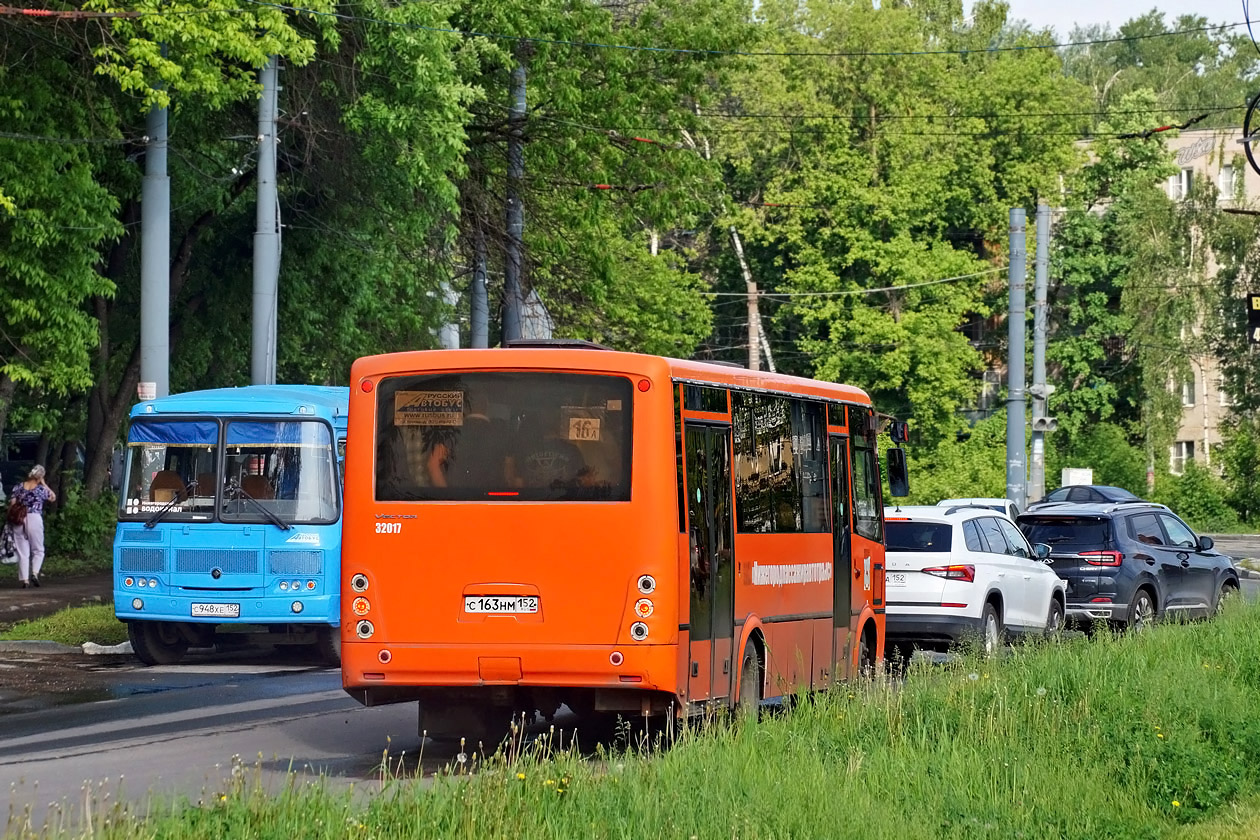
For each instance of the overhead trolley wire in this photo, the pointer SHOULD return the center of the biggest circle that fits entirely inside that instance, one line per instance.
(938, 282)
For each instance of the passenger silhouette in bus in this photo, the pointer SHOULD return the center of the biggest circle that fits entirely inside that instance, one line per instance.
(547, 459)
(474, 454)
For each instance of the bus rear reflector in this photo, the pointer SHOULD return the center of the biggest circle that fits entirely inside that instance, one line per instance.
(630, 678)
(371, 676)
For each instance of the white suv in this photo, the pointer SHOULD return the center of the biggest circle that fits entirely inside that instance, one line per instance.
(964, 570)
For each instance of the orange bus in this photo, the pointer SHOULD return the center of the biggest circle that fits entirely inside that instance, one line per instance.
(620, 533)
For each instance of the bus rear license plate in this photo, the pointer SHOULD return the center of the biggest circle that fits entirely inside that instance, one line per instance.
(896, 578)
(216, 610)
(509, 604)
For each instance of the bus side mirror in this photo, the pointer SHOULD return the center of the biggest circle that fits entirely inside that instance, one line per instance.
(899, 431)
(898, 476)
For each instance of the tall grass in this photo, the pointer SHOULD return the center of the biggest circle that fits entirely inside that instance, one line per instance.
(1110, 737)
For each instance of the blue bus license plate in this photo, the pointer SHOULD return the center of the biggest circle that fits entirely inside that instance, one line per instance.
(216, 610)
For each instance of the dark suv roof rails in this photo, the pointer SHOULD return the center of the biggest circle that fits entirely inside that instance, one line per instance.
(1117, 505)
(556, 343)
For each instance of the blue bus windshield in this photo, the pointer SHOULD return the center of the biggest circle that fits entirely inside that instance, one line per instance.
(287, 466)
(164, 459)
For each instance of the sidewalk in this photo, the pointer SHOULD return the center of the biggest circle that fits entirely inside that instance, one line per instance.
(17, 604)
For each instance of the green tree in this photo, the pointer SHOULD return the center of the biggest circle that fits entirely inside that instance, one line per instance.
(897, 167)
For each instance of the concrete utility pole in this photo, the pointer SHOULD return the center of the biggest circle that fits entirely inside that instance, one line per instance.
(448, 335)
(1040, 391)
(155, 262)
(513, 299)
(1016, 477)
(479, 323)
(262, 367)
(754, 314)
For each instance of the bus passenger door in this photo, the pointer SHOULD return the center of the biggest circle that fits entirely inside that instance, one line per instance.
(842, 571)
(712, 619)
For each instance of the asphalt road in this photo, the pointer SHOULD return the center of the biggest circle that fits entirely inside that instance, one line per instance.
(186, 741)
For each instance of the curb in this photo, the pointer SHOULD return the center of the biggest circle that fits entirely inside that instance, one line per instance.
(33, 646)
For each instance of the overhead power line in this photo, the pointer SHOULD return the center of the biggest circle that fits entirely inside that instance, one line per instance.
(469, 33)
(978, 115)
(862, 291)
(69, 14)
(41, 138)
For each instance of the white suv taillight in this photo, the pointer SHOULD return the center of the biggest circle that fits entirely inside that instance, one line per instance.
(967, 574)
(1102, 558)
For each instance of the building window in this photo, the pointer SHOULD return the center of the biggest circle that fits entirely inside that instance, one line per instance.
(1187, 390)
(1226, 184)
(1223, 395)
(1182, 454)
(1179, 184)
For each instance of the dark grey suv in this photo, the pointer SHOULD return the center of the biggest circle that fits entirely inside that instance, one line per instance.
(1130, 563)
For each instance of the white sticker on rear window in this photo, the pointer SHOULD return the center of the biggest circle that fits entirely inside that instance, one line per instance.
(429, 408)
(614, 405)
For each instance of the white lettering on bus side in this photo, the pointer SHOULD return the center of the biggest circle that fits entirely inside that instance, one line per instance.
(786, 575)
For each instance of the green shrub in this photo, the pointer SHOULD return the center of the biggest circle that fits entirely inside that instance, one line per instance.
(82, 531)
(1198, 497)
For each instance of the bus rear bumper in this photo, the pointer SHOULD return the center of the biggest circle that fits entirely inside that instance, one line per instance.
(315, 609)
(368, 667)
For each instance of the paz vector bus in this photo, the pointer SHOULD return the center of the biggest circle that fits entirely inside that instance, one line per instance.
(619, 533)
(229, 519)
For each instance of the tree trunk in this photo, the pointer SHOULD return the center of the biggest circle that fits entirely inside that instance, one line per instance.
(112, 408)
(7, 389)
(98, 462)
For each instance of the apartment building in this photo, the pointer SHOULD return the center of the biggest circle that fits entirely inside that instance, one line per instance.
(1217, 156)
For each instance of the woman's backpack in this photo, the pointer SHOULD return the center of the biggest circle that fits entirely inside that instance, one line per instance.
(17, 514)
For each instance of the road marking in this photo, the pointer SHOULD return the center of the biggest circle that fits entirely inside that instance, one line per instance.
(193, 717)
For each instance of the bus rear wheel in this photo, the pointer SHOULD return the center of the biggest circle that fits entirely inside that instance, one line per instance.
(749, 702)
(157, 642)
(328, 645)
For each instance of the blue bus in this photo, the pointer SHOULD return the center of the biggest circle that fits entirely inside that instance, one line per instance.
(229, 520)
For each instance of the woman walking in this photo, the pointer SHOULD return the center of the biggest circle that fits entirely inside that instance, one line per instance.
(28, 536)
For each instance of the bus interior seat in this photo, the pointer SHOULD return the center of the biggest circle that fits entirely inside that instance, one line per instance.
(206, 484)
(166, 485)
(257, 486)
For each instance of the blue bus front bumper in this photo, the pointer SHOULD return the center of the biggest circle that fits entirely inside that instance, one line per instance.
(254, 609)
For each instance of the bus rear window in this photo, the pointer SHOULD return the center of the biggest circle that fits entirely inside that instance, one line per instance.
(503, 437)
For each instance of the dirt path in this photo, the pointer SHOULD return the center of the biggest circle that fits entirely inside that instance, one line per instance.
(17, 604)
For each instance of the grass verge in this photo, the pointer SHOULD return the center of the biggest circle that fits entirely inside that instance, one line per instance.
(72, 626)
(1140, 736)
